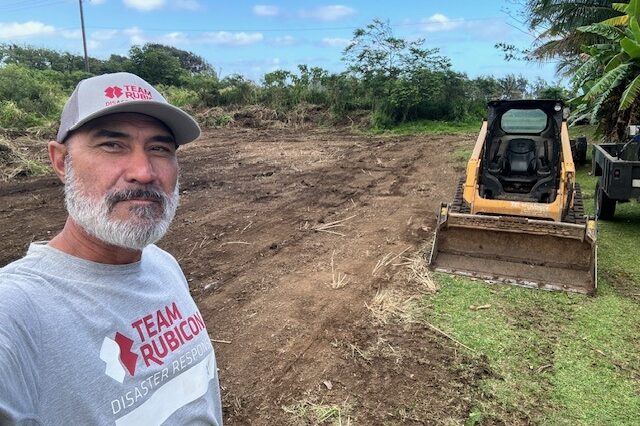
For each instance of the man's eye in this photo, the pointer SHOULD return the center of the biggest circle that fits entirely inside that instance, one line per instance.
(110, 145)
(162, 148)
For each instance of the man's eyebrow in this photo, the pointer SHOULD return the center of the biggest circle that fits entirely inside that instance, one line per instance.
(164, 138)
(104, 133)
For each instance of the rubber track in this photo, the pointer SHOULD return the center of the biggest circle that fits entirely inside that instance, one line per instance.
(576, 214)
(459, 205)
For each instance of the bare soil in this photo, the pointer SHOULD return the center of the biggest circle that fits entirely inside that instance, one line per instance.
(261, 274)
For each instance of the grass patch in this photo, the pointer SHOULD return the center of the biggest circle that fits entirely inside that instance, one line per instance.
(462, 154)
(430, 127)
(556, 358)
(310, 413)
(585, 130)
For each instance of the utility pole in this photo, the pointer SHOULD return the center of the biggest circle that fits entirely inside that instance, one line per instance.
(84, 39)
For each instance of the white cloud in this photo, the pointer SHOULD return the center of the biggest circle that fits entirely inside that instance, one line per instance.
(97, 1)
(71, 34)
(328, 13)
(232, 39)
(93, 44)
(104, 35)
(284, 41)
(440, 22)
(192, 5)
(335, 42)
(144, 5)
(266, 10)
(10, 30)
(174, 38)
(135, 35)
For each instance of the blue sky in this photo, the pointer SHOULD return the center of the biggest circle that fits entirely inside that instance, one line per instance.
(254, 37)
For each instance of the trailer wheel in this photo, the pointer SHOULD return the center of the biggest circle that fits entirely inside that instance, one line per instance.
(605, 206)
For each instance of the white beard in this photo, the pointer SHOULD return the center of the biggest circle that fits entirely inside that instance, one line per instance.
(146, 225)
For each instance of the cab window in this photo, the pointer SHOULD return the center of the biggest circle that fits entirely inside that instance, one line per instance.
(524, 121)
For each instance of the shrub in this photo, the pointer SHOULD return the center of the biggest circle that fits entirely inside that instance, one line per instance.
(31, 92)
(12, 117)
(179, 96)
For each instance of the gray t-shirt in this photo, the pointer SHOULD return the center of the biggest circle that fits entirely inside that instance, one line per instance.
(84, 343)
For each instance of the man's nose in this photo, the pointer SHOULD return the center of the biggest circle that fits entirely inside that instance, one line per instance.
(140, 168)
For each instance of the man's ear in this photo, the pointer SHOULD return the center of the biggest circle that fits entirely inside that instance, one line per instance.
(57, 154)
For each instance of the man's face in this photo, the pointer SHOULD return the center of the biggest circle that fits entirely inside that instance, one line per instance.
(121, 179)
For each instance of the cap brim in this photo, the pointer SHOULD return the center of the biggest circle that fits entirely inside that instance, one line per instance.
(184, 128)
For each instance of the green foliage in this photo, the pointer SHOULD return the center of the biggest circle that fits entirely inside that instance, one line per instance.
(429, 127)
(189, 61)
(12, 117)
(157, 66)
(237, 90)
(609, 77)
(396, 80)
(206, 87)
(25, 91)
(557, 21)
(179, 96)
(630, 94)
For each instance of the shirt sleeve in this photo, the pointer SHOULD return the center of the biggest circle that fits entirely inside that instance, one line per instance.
(18, 358)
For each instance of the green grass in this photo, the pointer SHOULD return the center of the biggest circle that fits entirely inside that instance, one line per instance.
(430, 127)
(556, 358)
(462, 154)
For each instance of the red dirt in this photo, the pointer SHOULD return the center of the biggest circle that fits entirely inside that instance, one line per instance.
(261, 274)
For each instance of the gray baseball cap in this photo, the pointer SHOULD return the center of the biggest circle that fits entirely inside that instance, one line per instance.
(123, 92)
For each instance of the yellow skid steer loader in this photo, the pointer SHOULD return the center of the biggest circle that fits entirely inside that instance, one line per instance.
(517, 215)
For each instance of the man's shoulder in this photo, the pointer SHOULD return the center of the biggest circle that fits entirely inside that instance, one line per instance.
(153, 253)
(18, 285)
(19, 273)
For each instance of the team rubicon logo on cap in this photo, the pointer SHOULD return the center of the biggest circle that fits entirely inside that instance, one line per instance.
(113, 92)
(126, 92)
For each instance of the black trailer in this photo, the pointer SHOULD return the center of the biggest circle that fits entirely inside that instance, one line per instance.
(617, 166)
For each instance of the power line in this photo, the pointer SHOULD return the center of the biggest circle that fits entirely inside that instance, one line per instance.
(26, 5)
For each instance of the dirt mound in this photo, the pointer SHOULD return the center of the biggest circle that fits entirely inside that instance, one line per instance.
(19, 159)
(261, 117)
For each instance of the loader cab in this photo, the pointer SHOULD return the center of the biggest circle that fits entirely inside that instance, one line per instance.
(521, 154)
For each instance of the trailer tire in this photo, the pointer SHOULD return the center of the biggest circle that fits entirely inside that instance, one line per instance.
(605, 206)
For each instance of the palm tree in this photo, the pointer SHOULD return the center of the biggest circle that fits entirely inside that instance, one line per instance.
(557, 21)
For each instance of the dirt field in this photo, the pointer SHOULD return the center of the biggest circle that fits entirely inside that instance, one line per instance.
(247, 237)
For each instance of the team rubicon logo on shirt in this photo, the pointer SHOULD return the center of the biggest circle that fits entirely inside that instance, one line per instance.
(155, 336)
(126, 92)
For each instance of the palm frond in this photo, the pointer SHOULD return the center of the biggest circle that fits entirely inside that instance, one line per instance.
(608, 81)
(597, 107)
(630, 94)
(631, 47)
(617, 21)
(607, 31)
(620, 7)
(615, 61)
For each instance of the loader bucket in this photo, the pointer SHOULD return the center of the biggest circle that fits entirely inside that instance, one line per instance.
(520, 251)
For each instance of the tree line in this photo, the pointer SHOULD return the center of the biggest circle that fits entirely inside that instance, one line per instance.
(395, 80)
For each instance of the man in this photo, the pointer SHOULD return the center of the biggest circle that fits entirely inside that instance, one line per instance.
(97, 326)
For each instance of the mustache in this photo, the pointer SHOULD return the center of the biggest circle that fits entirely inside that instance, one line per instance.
(128, 194)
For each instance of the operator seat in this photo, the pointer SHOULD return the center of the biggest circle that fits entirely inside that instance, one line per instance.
(520, 159)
